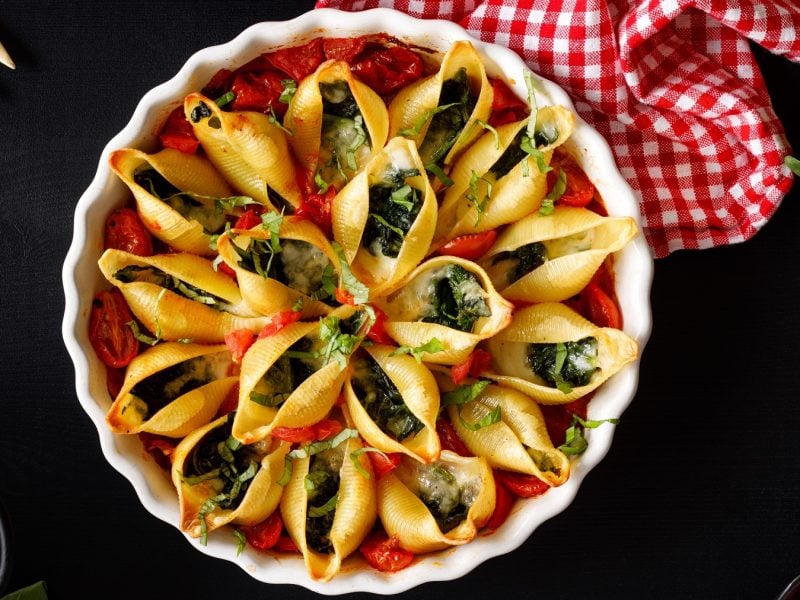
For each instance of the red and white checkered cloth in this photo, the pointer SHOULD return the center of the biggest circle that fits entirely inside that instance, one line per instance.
(673, 86)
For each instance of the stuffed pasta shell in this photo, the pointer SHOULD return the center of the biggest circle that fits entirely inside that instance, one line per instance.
(249, 149)
(440, 113)
(497, 180)
(434, 506)
(449, 299)
(179, 296)
(329, 504)
(506, 427)
(549, 258)
(282, 262)
(292, 378)
(172, 389)
(554, 355)
(336, 124)
(181, 197)
(393, 401)
(384, 217)
(221, 481)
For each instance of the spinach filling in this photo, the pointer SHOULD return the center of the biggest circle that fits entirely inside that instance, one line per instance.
(299, 265)
(515, 152)
(190, 206)
(440, 492)
(164, 386)
(154, 275)
(343, 131)
(382, 400)
(522, 260)
(457, 299)
(393, 208)
(447, 124)
(322, 487)
(569, 364)
(220, 456)
(284, 376)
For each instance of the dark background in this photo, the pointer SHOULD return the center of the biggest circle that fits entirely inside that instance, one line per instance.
(698, 497)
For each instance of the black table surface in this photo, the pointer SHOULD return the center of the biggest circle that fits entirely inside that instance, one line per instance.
(699, 496)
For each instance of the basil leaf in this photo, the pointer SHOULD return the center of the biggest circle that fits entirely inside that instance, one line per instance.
(317, 447)
(385, 223)
(431, 347)
(490, 419)
(436, 170)
(226, 98)
(401, 197)
(472, 195)
(464, 393)
(241, 541)
(321, 511)
(140, 335)
(349, 281)
(560, 186)
(321, 183)
(575, 442)
(273, 119)
(288, 91)
(424, 118)
(287, 472)
(356, 453)
(531, 127)
(793, 164)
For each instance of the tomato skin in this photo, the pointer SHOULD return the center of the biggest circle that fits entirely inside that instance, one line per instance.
(377, 333)
(285, 544)
(325, 429)
(299, 435)
(384, 463)
(298, 61)
(178, 133)
(580, 191)
(521, 485)
(384, 553)
(258, 91)
(159, 447)
(264, 535)
(477, 362)
(278, 321)
(219, 83)
(124, 230)
(250, 218)
(558, 417)
(387, 70)
(449, 438)
(317, 209)
(502, 506)
(230, 403)
(470, 246)
(506, 106)
(345, 49)
(603, 311)
(238, 341)
(109, 333)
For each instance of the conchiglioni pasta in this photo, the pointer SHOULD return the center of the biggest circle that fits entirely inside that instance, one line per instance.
(440, 113)
(221, 481)
(496, 181)
(449, 299)
(276, 269)
(554, 355)
(394, 402)
(172, 389)
(248, 148)
(384, 217)
(329, 504)
(434, 506)
(181, 197)
(336, 123)
(179, 296)
(549, 258)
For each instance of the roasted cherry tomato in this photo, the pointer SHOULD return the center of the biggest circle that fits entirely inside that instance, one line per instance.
(317, 209)
(502, 506)
(384, 463)
(345, 49)
(278, 321)
(258, 91)
(159, 447)
(264, 535)
(384, 553)
(249, 218)
(285, 544)
(603, 311)
(298, 435)
(219, 83)
(377, 333)
(506, 106)
(125, 231)
(298, 61)
(387, 70)
(177, 133)
(449, 438)
(109, 333)
(470, 246)
(238, 341)
(325, 429)
(580, 190)
(477, 362)
(519, 484)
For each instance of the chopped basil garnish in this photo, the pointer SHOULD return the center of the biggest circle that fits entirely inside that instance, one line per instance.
(357, 464)
(272, 117)
(241, 541)
(464, 393)
(349, 281)
(288, 91)
(226, 98)
(472, 195)
(490, 419)
(575, 442)
(793, 164)
(430, 347)
(560, 186)
(140, 335)
(437, 171)
(317, 447)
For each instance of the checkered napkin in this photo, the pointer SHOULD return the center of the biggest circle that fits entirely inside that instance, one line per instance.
(673, 86)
